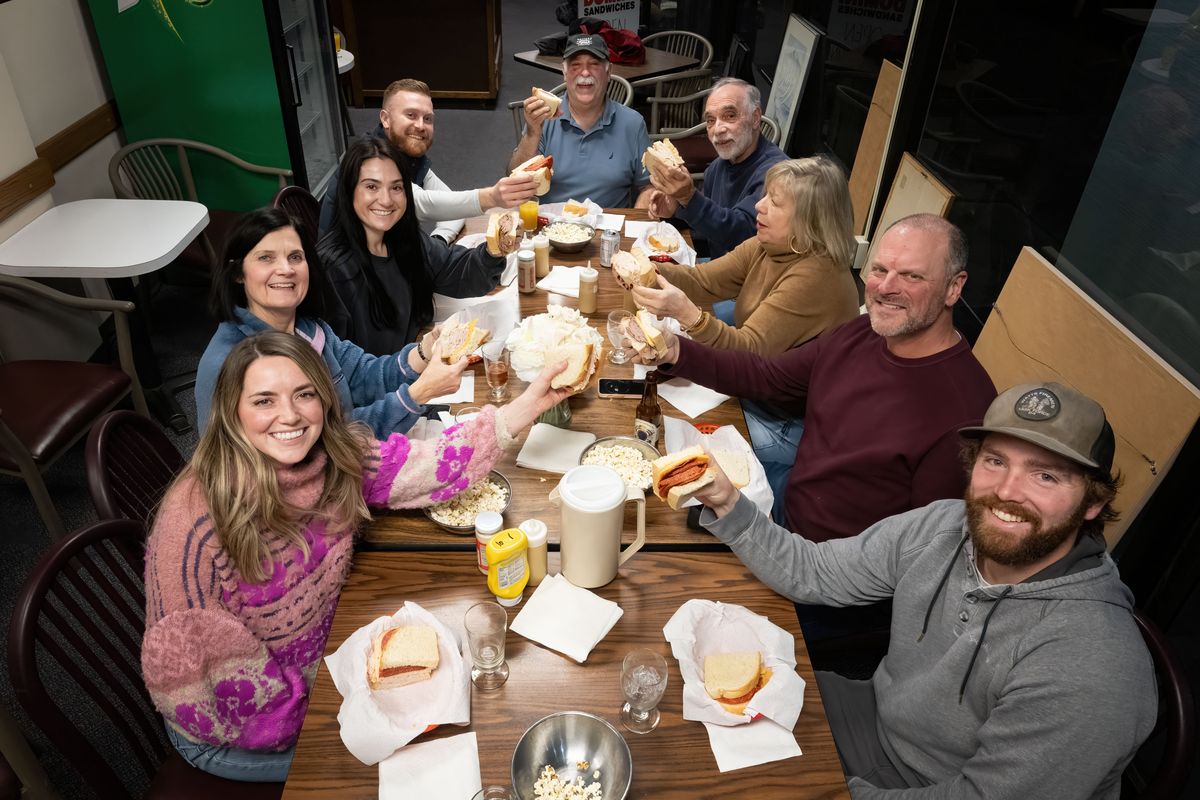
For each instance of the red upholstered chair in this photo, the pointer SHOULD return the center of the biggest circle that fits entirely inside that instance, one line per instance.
(130, 463)
(46, 406)
(83, 608)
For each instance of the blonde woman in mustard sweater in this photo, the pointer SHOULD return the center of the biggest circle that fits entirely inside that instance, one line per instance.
(253, 542)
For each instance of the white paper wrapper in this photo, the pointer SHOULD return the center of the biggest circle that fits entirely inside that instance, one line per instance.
(702, 627)
(682, 254)
(679, 434)
(376, 723)
(553, 211)
(536, 335)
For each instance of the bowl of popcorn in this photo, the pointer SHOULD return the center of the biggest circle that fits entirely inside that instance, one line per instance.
(457, 515)
(628, 455)
(571, 755)
(569, 237)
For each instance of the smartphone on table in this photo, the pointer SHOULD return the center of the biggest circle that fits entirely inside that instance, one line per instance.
(614, 387)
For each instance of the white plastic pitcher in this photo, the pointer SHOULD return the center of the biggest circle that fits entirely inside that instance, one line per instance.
(592, 499)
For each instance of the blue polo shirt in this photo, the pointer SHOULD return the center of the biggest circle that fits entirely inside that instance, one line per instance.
(604, 164)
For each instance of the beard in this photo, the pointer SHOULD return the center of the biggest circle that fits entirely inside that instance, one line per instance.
(912, 321)
(411, 146)
(738, 144)
(1010, 550)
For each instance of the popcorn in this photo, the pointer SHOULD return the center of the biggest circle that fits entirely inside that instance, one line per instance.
(628, 462)
(551, 787)
(529, 342)
(461, 510)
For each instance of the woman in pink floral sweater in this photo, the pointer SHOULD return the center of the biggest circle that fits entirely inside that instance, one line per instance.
(253, 542)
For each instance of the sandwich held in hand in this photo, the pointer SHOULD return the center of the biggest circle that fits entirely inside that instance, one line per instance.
(732, 679)
(642, 332)
(735, 466)
(677, 476)
(551, 100)
(580, 365)
(634, 269)
(400, 656)
(541, 167)
(661, 154)
(502, 234)
(459, 339)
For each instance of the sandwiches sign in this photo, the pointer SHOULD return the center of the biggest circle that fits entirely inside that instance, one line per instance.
(617, 13)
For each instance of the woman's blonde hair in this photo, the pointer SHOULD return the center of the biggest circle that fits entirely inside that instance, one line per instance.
(239, 481)
(823, 220)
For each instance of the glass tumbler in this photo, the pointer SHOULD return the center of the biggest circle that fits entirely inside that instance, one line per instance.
(643, 681)
(487, 624)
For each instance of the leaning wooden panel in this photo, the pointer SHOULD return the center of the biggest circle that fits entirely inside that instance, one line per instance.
(1043, 327)
(915, 190)
(864, 177)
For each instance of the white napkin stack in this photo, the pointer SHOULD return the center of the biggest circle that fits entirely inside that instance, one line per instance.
(464, 394)
(566, 618)
(553, 449)
(373, 724)
(678, 435)
(562, 280)
(440, 769)
(690, 398)
(701, 627)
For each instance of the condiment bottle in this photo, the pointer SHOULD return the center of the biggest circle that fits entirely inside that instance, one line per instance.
(487, 525)
(508, 565)
(526, 271)
(541, 254)
(535, 532)
(648, 419)
(588, 288)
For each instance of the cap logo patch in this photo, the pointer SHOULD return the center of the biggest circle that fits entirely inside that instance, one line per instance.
(584, 41)
(1037, 405)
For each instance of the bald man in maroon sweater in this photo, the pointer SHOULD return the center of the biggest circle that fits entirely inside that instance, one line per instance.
(883, 396)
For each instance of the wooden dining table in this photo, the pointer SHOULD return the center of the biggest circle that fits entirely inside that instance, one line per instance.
(672, 762)
(658, 62)
(665, 527)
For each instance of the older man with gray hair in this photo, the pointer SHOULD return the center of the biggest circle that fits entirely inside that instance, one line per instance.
(722, 212)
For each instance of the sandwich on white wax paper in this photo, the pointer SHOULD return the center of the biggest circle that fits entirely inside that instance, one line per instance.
(561, 333)
(678, 435)
(662, 242)
(375, 722)
(702, 628)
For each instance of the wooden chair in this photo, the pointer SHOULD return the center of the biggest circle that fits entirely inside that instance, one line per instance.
(47, 405)
(130, 463)
(676, 100)
(682, 43)
(1175, 730)
(83, 609)
(618, 90)
(162, 169)
(302, 207)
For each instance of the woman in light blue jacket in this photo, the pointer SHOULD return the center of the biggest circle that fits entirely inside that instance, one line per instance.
(270, 278)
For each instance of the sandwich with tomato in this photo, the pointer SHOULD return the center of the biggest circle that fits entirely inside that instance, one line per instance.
(541, 167)
(732, 679)
(401, 656)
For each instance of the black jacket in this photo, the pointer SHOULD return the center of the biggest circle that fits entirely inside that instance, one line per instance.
(455, 272)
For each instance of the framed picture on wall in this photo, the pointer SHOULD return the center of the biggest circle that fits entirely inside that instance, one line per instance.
(791, 72)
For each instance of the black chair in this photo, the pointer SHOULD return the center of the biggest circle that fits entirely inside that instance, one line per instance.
(1175, 731)
(303, 208)
(130, 463)
(82, 609)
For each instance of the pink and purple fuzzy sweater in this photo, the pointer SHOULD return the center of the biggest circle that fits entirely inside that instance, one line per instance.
(230, 662)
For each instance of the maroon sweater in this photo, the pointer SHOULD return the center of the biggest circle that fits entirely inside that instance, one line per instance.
(880, 432)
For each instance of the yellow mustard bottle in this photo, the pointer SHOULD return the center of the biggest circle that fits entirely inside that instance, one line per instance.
(508, 565)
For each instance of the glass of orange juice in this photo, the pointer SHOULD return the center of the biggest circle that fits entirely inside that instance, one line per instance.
(529, 215)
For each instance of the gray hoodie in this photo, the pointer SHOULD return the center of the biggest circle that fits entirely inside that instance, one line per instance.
(1038, 689)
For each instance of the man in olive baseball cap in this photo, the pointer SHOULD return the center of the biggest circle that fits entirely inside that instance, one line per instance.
(586, 43)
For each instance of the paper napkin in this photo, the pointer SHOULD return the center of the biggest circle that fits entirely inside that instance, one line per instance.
(464, 394)
(553, 449)
(690, 398)
(562, 280)
(747, 745)
(566, 618)
(440, 769)
(376, 723)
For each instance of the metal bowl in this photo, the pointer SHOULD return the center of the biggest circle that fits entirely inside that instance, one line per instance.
(469, 529)
(565, 739)
(648, 451)
(571, 247)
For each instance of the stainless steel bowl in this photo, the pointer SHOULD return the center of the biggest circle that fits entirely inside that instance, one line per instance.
(470, 528)
(571, 247)
(645, 448)
(563, 740)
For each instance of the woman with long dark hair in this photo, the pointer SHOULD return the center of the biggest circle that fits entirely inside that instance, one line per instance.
(383, 268)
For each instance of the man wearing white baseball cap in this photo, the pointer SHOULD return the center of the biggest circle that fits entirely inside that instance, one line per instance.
(1014, 667)
(597, 144)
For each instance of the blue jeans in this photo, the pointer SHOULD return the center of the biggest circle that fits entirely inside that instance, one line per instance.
(774, 440)
(723, 310)
(232, 763)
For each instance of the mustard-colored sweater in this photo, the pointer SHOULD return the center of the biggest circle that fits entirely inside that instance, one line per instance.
(783, 299)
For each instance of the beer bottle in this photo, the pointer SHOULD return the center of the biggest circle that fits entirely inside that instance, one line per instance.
(648, 419)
